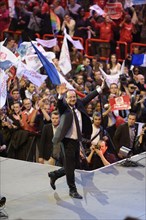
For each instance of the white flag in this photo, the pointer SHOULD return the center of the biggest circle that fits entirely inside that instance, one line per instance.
(6, 54)
(2, 42)
(3, 88)
(76, 43)
(110, 78)
(97, 9)
(33, 76)
(7, 58)
(64, 59)
(63, 80)
(33, 62)
(28, 49)
(47, 43)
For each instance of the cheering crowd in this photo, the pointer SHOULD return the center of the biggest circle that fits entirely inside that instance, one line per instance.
(32, 115)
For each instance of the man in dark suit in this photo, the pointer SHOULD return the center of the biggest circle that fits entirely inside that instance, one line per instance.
(126, 133)
(2, 147)
(46, 145)
(67, 133)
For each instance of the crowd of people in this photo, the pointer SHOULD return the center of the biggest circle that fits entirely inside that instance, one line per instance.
(38, 123)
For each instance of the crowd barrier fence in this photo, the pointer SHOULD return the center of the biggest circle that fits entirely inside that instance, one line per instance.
(93, 46)
(17, 34)
(139, 45)
(121, 50)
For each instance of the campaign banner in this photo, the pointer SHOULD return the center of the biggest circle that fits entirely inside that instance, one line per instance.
(3, 87)
(6, 54)
(138, 2)
(33, 62)
(129, 3)
(25, 49)
(114, 10)
(120, 103)
(47, 43)
(33, 76)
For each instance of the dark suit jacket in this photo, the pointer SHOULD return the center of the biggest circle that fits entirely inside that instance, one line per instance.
(46, 145)
(67, 117)
(122, 136)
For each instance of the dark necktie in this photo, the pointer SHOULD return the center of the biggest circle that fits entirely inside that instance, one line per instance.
(79, 135)
(77, 125)
(132, 136)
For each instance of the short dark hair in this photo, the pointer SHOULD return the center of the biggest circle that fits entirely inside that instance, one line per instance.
(55, 112)
(15, 90)
(70, 90)
(132, 114)
(96, 114)
(28, 84)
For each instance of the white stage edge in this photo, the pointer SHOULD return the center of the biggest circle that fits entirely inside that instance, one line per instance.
(110, 193)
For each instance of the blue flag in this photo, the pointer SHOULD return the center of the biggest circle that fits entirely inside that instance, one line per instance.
(49, 67)
(138, 60)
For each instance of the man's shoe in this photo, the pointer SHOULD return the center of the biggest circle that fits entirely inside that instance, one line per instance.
(52, 180)
(75, 195)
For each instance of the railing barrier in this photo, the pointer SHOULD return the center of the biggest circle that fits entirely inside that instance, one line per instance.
(140, 46)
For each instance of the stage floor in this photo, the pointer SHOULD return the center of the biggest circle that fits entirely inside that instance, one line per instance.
(110, 193)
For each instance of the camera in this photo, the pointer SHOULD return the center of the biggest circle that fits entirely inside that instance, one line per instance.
(97, 147)
(141, 96)
(123, 79)
(137, 92)
(2, 201)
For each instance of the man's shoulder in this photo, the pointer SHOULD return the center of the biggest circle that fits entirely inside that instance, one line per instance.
(123, 126)
(48, 126)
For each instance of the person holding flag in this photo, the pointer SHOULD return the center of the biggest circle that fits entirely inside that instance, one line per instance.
(58, 9)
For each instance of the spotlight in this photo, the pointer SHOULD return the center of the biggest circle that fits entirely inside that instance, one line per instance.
(2, 201)
(127, 154)
(3, 213)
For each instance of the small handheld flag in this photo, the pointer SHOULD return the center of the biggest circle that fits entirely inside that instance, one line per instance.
(55, 22)
(138, 60)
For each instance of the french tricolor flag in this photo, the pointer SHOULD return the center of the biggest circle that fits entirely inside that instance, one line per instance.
(139, 60)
